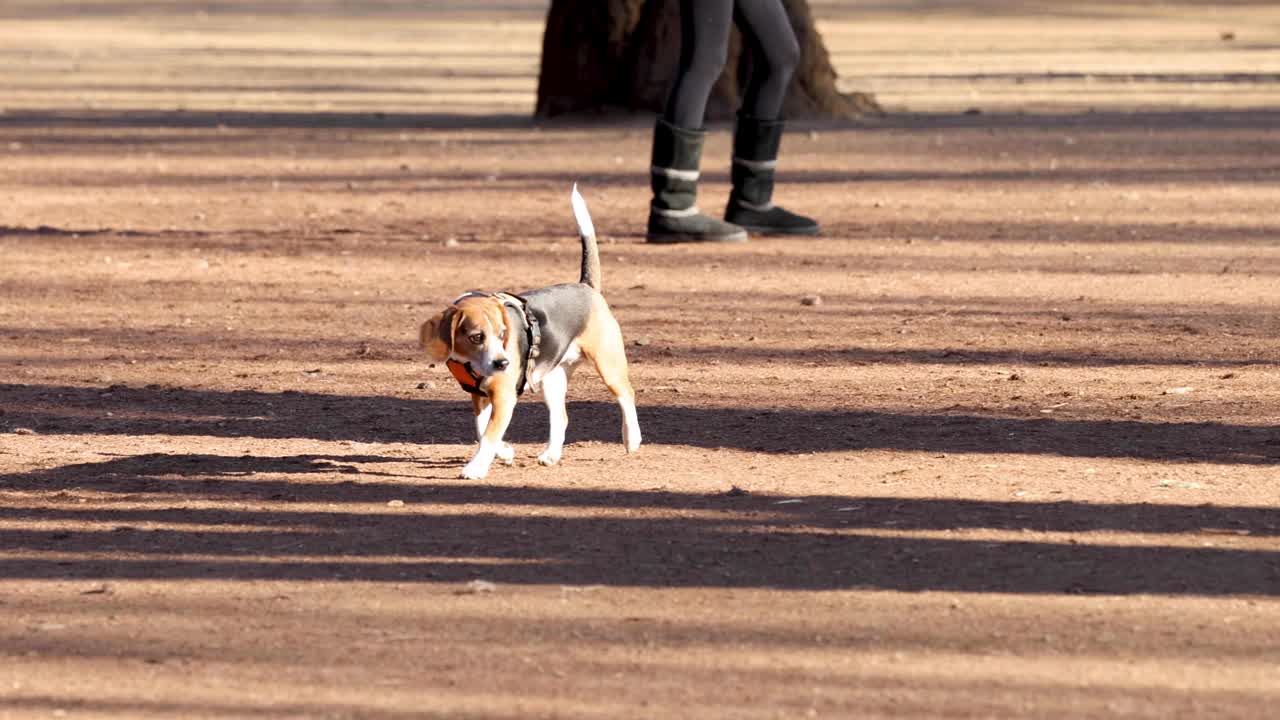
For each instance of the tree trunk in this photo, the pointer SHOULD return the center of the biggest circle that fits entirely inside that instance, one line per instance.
(610, 56)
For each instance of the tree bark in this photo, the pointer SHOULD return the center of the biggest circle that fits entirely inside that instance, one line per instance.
(620, 56)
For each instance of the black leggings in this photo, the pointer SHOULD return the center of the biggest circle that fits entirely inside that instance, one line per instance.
(704, 47)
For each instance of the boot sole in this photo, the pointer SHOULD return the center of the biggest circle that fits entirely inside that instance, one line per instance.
(808, 231)
(675, 238)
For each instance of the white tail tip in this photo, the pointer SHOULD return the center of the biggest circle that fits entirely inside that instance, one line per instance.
(585, 228)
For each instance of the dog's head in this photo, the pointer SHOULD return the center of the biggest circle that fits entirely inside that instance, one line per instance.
(473, 329)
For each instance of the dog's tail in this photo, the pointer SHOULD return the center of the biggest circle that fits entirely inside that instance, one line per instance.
(590, 252)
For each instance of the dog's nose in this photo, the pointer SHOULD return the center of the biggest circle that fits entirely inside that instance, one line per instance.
(501, 364)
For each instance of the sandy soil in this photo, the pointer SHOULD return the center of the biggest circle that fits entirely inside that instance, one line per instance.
(1020, 461)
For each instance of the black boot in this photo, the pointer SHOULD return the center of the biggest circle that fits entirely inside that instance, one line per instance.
(755, 154)
(673, 216)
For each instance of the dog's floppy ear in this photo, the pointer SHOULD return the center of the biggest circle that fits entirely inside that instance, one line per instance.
(436, 334)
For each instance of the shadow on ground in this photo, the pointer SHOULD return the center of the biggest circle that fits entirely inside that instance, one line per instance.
(157, 410)
(589, 537)
(1136, 120)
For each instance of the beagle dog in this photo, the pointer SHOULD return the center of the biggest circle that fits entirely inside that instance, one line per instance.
(497, 345)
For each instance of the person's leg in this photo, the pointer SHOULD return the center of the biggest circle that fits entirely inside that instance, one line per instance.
(704, 45)
(767, 34)
(678, 134)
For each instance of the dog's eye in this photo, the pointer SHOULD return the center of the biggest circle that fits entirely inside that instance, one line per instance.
(476, 338)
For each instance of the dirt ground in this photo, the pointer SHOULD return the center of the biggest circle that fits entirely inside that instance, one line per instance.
(1021, 460)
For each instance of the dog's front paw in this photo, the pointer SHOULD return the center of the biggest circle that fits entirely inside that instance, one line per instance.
(475, 471)
(631, 435)
(549, 458)
(506, 453)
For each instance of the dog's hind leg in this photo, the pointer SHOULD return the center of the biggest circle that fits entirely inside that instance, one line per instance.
(610, 358)
(555, 386)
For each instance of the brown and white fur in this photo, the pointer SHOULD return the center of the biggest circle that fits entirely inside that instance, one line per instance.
(576, 324)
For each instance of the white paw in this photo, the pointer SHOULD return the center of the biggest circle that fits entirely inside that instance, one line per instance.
(549, 458)
(633, 446)
(475, 471)
(506, 453)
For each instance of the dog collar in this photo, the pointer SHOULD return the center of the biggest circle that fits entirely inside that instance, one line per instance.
(467, 376)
